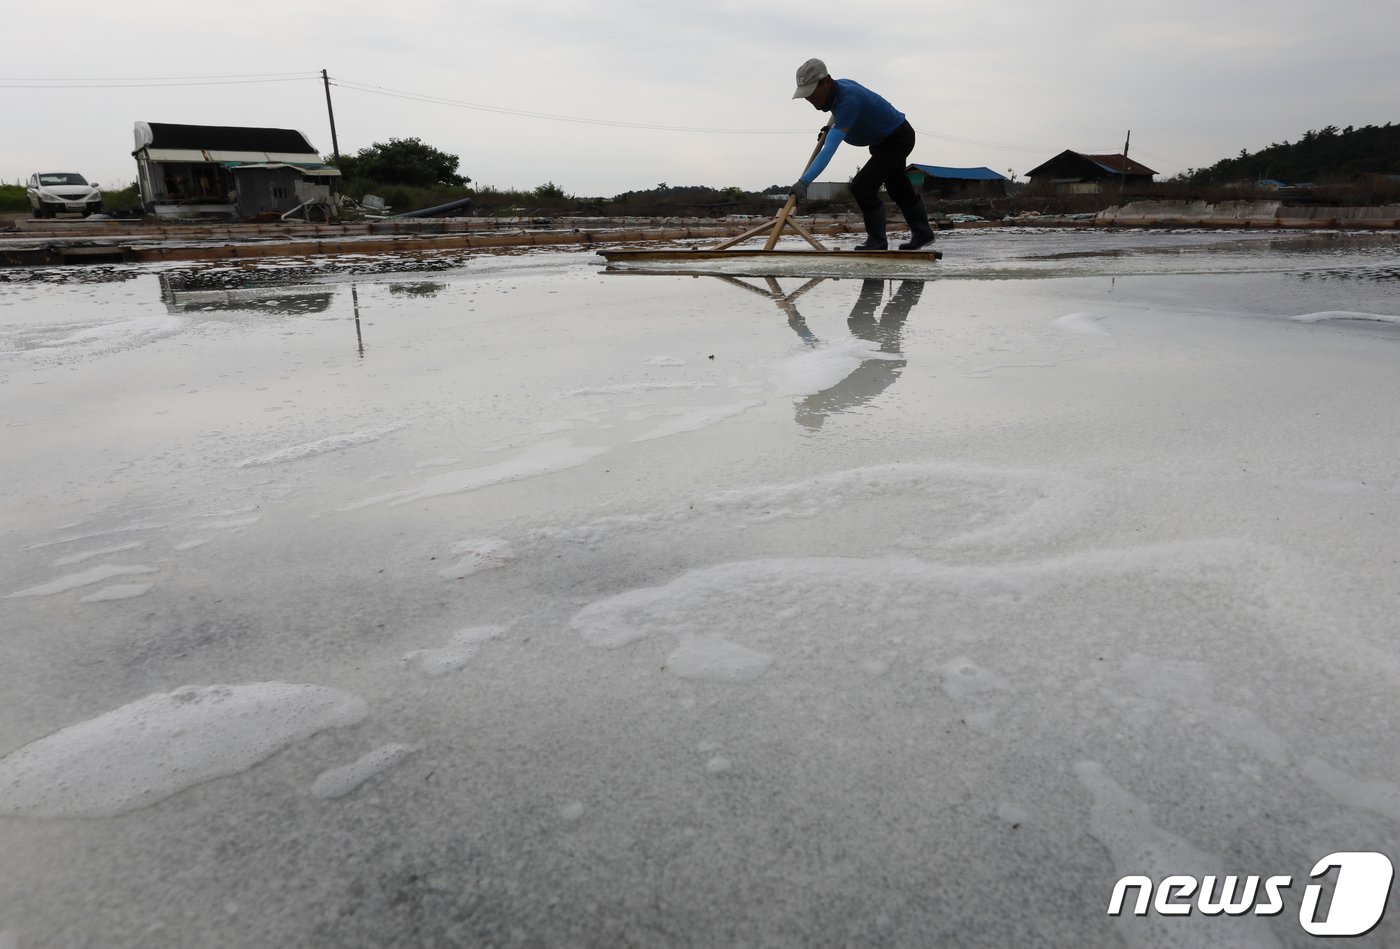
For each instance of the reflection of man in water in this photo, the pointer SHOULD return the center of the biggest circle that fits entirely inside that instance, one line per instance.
(873, 376)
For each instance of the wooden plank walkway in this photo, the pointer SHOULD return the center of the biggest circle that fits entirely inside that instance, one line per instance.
(109, 242)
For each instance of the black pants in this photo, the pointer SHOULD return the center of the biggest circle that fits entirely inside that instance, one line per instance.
(888, 159)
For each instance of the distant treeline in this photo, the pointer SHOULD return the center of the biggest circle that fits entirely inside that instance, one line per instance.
(1328, 156)
(550, 199)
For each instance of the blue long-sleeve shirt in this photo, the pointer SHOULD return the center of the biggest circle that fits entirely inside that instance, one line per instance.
(859, 116)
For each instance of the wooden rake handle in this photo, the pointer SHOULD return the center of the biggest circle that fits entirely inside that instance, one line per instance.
(782, 220)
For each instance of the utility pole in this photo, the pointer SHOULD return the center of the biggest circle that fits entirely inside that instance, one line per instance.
(335, 146)
(1125, 156)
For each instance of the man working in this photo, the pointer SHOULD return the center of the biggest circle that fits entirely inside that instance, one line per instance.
(861, 117)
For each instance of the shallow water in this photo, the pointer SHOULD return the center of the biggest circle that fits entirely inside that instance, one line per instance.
(505, 600)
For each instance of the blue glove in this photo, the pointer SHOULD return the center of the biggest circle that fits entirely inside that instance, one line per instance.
(799, 188)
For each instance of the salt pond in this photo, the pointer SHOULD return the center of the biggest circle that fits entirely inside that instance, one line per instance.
(500, 600)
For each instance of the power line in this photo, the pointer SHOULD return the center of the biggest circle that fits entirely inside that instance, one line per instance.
(245, 75)
(136, 82)
(981, 144)
(526, 113)
(141, 82)
(553, 117)
(1162, 158)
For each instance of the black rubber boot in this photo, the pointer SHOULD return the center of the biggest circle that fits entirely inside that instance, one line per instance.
(920, 231)
(874, 230)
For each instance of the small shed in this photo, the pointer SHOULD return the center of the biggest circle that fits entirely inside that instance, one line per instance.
(223, 170)
(1072, 172)
(828, 190)
(942, 181)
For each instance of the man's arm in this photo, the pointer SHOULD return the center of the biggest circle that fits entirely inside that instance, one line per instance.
(834, 138)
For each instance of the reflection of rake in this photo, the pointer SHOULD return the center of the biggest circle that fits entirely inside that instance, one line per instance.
(774, 227)
(787, 302)
(775, 289)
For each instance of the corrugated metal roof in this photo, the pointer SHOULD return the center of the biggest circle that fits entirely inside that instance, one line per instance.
(295, 158)
(979, 173)
(321, 171)
(1120, 164)
(308, 163)
(233, 158)
(175, 154)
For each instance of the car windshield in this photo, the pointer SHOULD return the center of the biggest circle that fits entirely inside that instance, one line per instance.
(62, 178)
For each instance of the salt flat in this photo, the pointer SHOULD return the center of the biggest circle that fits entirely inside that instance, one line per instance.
(500, 600)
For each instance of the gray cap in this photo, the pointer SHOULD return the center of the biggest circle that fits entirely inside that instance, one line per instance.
(809, 74)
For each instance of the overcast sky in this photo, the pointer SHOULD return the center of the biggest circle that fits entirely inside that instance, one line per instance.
(626, 94)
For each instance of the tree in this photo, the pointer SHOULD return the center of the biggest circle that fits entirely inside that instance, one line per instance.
(403, 161)
(1328, 154)
(551, 193)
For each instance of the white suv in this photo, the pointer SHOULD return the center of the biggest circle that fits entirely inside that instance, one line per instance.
(54, 191)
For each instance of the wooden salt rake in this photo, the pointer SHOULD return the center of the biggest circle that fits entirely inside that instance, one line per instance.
(774, 226)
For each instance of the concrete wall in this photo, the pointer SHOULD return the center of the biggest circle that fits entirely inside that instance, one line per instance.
(827, 190)
(1248, 214)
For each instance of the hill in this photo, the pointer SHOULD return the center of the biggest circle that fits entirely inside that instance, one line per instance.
(1328, 156)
